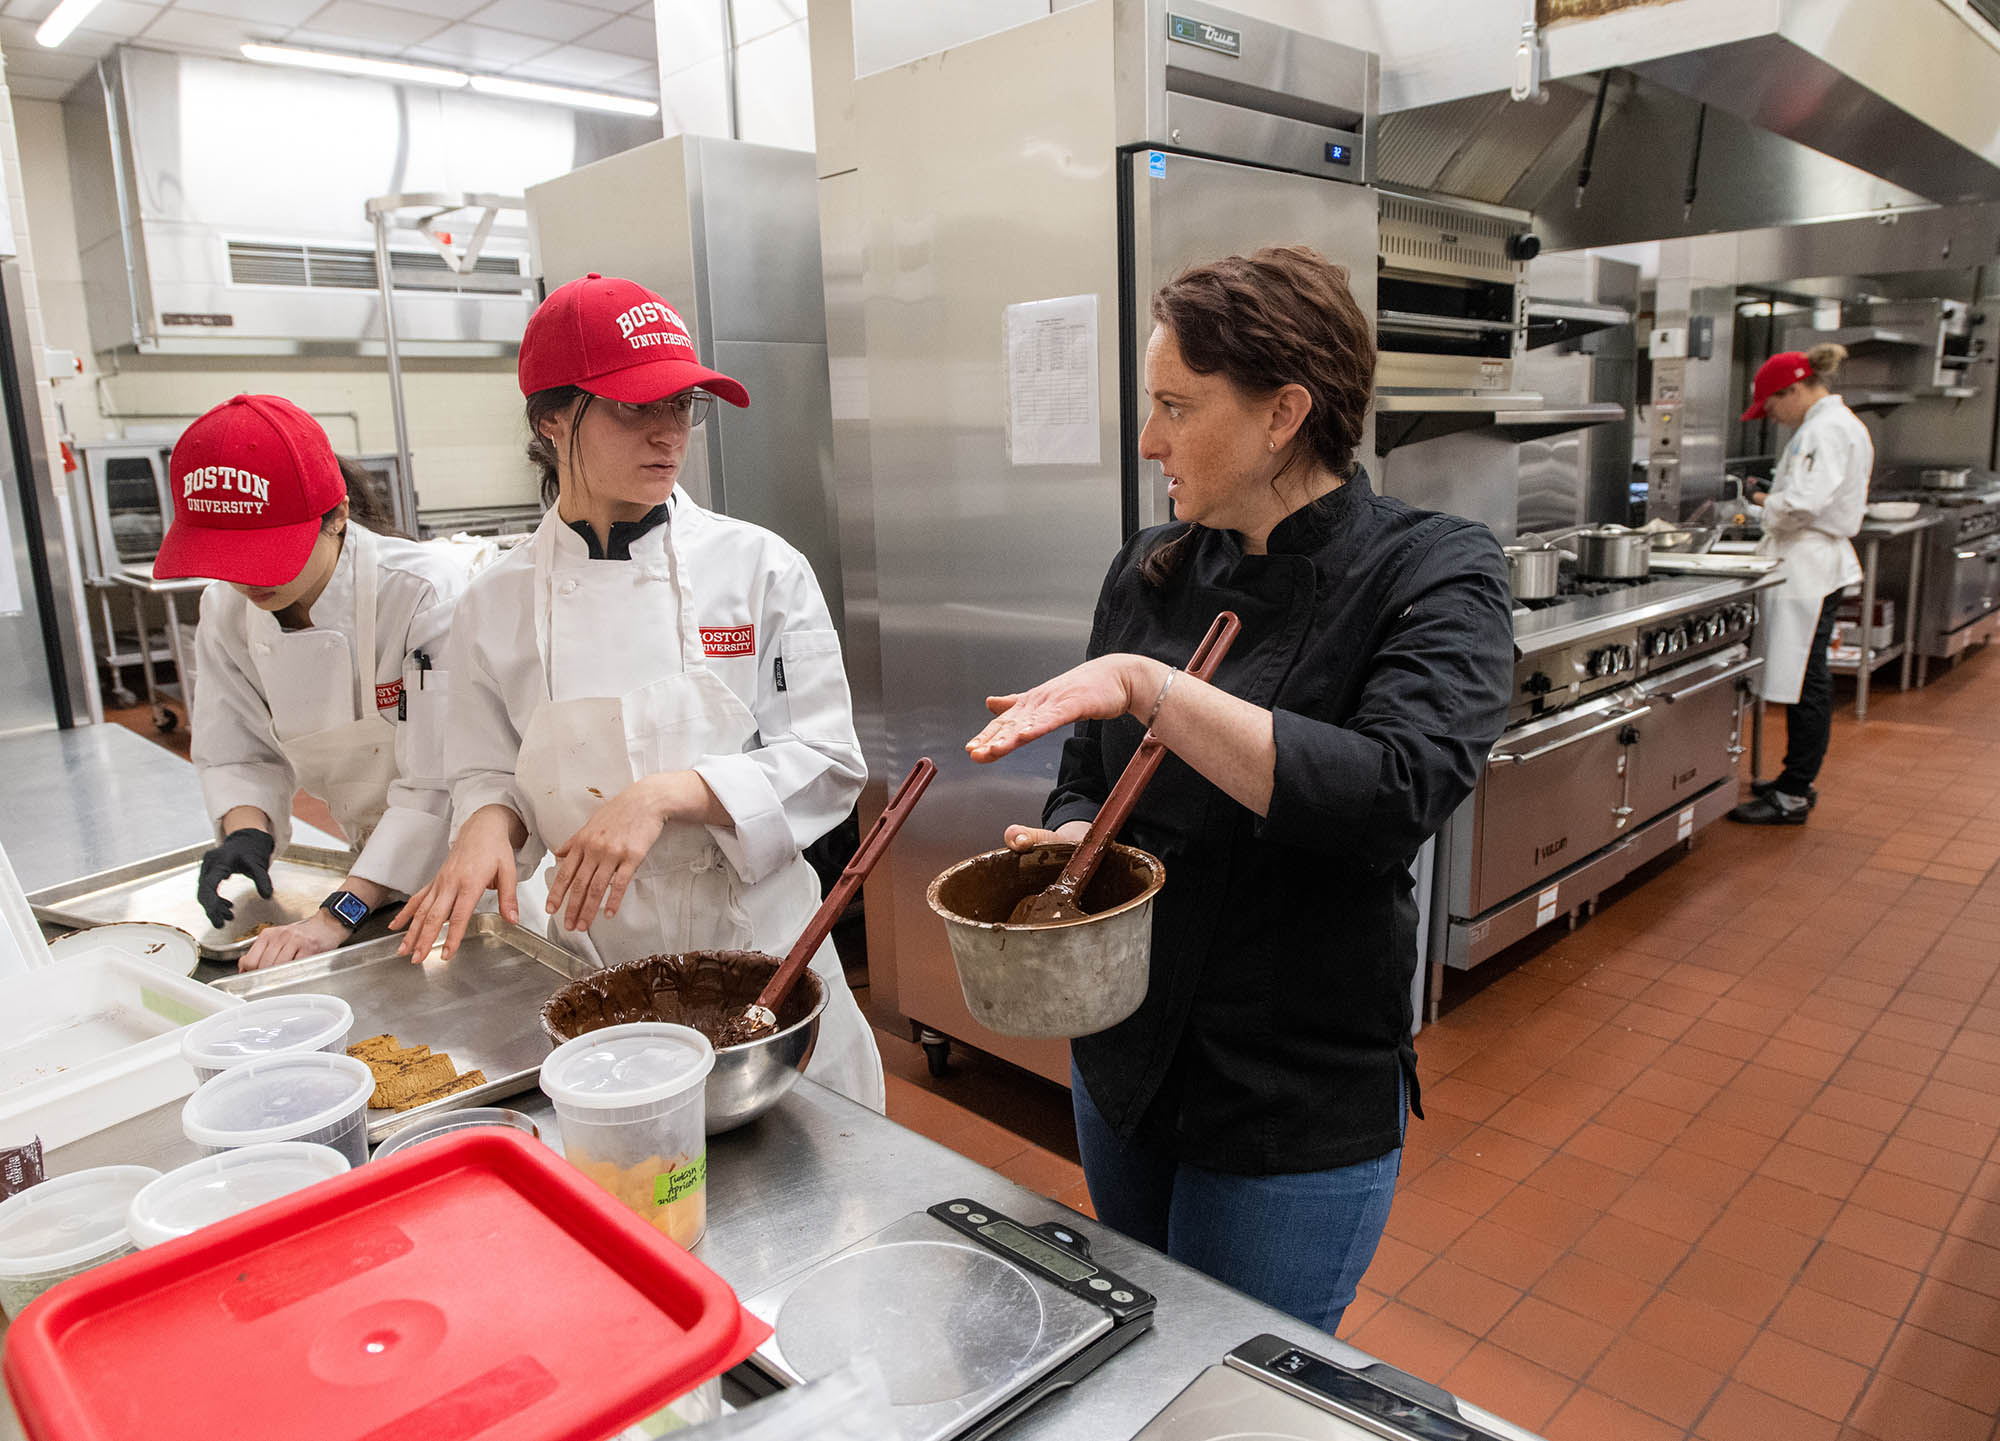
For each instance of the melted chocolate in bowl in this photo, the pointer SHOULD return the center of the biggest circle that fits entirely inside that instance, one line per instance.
(704, 989)
(987, 888)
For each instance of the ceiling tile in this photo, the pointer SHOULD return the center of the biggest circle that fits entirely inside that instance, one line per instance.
(443, 9)
(190, 29)
(377, 25)
(550, 19)
(18, 37)
(621, 7)
(48, 64)
(35, 87)
(36, 10)
(627, 35)
(758, 18)
(479, 48)
(269, 15)
(574, 65)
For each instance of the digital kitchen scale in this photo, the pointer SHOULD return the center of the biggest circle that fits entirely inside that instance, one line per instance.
(972, 1317)
(1267, 1389)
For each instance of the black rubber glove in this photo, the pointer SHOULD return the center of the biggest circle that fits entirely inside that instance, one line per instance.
(245, 852)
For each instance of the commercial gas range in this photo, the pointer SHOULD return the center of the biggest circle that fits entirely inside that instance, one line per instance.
(1631, 708)
(1958, 600)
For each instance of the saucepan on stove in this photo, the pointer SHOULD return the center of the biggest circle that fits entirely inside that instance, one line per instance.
(1956, 478)
(1533, 571)
(1611, 552)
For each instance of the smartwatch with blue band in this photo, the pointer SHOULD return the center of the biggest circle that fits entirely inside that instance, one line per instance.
(349, 909)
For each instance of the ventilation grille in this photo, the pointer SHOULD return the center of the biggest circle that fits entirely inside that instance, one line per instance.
(335, 267)
(1427, 236)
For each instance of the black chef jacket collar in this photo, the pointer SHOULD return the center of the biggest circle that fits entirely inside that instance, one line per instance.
(623, 533)
(1307, 529)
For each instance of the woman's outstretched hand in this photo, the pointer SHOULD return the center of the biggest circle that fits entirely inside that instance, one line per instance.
(1099, 689)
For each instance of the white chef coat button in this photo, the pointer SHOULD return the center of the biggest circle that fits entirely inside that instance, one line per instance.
(1098, 1283)
(568, 587)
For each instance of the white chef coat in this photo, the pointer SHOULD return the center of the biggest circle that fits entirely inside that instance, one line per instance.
(242, 654)
(1816, 502)
(767, 635)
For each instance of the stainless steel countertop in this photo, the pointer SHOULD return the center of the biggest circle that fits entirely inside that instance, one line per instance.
(76, 802)
(819, 1173)
(1890, 529)
(1634, 605)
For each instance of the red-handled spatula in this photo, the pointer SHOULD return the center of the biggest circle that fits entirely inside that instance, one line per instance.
(1059, 901)
(761, 1015)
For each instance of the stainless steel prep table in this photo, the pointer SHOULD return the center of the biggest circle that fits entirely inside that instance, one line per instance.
(1869, 541)
(819, 1173)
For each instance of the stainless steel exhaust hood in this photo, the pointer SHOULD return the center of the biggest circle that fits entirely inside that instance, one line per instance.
(219, 206)
(1814, 108)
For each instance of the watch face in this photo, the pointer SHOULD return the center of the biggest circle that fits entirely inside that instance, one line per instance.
(350, 908)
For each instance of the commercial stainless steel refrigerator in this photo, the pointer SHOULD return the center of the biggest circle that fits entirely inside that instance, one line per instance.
(1024, 195)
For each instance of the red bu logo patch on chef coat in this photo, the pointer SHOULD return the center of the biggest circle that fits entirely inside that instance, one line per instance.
(718, 640)
(387, 697)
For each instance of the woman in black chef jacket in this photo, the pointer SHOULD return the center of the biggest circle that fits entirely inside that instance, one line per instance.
(1248, 1118)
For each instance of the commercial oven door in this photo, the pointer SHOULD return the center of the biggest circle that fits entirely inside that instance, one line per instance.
(1694, 737)
(1975, 581)
(1553, 793)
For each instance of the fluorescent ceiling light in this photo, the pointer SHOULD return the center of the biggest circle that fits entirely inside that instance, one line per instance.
(62, 20)
(563, 95)
(356, 65)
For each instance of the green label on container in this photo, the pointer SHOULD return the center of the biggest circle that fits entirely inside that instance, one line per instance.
(680, 1181)
(177, 1011)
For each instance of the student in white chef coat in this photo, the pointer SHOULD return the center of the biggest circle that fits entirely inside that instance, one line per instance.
(1814, 506)
(315, 658)
(650, 692)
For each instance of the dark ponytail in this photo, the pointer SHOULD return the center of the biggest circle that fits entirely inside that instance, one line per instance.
(541, 450)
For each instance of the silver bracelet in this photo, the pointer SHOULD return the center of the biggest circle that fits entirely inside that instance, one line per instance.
(1161, 699)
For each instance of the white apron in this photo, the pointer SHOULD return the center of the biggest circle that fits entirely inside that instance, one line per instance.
(1815, 565)
(322, 698)
(636, 705)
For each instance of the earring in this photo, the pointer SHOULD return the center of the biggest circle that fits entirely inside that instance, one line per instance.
(1271, 445)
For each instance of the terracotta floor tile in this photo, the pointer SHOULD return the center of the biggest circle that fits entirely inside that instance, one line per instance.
(1744, 1413)
(1950, 1310)
(1851, 1332)
(1590, 1415)
(1619, 1150)
(1836, 1138)
(1637, 1250)
(1505, 1255)
(1728, 1285)
(1807, 1061)
(1458, 1097)
(1657, 1382)
(1042, 1171)
(1591, 1289)
(1571, 1175)
(1688, 1171)
(1396, 1263)
(1663, 1087)
(1761, 1244)
(1698, 1064)
(1693, 1330)
(1736, 1042)
(1867, 1109)
(1752, 1113)
(1804, 1375)
(1811, 1170)
(1541, 1125)
(1459, 1295)
(1945, 1367)
(1950, 1133)
(1861, 1279)
(1554, 1219)
(1365, 1304)
(1550, 1336)
(1961, 1103)
(1509, 1385)
(1645, 1119)
(1893, 1410)
(1911, 1200)
(1720, 1141)
(1456, 1184)
(1504, 1155)
(1423, 1222)
(1415, 1340)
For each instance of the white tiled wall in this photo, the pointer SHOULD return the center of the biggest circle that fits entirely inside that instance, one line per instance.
(466, 430)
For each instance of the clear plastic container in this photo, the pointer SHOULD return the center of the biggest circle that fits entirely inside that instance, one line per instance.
(307, 1096)
(628, 1101)
(63, 1227)
(217, 1187)
(274, 1026)
(443, 1123)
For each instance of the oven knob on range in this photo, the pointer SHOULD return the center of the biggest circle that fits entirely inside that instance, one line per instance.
(1537, 684)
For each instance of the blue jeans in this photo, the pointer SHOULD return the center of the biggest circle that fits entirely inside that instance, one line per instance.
(1299, 1242)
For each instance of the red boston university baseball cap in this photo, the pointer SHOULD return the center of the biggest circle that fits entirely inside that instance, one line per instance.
(1787, 367)
(617, 339)
(251, 480)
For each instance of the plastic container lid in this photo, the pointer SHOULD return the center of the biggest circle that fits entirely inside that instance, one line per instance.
(215, 1187)
(477, 1286)
(68, 1221)
(276, 1025)
(623, 1066)
(275, 1098)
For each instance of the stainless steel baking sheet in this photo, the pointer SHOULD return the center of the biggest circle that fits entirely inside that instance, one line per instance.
(162, 888)
(481, 1007)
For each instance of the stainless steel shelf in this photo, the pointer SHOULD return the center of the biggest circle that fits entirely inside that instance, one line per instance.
(1876, 660)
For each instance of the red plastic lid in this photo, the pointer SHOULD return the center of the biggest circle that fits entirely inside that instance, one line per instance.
(477, 1286)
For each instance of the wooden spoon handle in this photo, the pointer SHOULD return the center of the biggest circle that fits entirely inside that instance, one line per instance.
(865, 856)
(1117, 808)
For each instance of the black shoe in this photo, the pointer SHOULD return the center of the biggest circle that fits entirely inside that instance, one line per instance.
(1773, 808)
(1761, 789)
